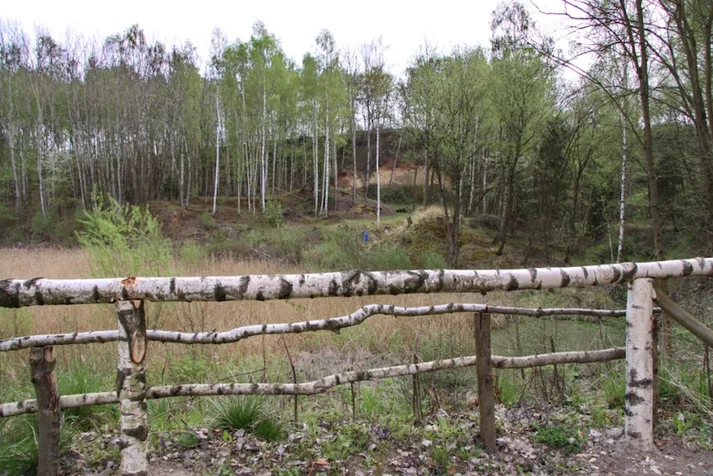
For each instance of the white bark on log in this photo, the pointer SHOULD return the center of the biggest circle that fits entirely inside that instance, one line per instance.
(41, 291)
(131, 387)
(335, 323)
(325, 383)
(639, 406)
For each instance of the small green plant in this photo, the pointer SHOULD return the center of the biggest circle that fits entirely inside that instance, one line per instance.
(246, 413)
(273, 213)
(560, 436)
(207, 222)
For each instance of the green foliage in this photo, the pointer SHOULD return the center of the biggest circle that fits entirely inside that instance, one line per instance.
(614, 387)
(273, 213)
(207, 222)
(246, 412)
(18, 445)
(80, 379)
(351, 438)
(344, 250)
(560, 436)
(433, 260)
(124, 241)
(191, 367)
(192, 255)
(387, 257)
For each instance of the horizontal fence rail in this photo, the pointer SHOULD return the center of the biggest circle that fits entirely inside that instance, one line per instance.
(132, 337)
(325, 383)
(331, 324)
(42, 291)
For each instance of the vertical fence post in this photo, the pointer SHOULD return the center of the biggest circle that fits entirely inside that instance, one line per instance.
(130, 387)
(42, 365)
(484, 368)
(639, 406)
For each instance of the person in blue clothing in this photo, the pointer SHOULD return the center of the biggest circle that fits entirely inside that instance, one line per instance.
(365, 236)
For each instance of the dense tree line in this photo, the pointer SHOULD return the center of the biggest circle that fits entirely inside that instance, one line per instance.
(495, 131)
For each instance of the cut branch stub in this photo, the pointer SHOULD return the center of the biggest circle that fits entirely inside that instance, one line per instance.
(132, 320)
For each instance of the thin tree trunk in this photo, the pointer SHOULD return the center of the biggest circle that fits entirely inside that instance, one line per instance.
(217, 153)
(354, 160)
(378, 180)
(622, 197)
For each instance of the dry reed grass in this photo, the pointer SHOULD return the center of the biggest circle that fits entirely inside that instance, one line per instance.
(380, 335)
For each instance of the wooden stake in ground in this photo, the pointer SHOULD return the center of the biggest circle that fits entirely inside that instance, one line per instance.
(639, 407)
(484, 368)
(131, 388)
(42, 365)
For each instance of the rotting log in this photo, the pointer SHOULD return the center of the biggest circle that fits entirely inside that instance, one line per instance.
(42, 364)
(353, 319)
(324, 384)
(639, 398)
(687, 320)
(131, 388)
(42, 291)
(484, 368)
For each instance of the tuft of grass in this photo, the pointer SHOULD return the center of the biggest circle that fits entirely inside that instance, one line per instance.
(83, 379)
(18, 446)
(614, 387)
(246, 413)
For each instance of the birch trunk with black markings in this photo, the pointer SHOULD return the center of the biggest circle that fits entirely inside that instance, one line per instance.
(333, 324)
(639, 398)
(41, 291)
(131, 388)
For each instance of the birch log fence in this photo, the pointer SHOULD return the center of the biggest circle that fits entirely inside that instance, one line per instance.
(132, 389)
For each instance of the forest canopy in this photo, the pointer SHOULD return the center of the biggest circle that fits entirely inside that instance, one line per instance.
(497, 130)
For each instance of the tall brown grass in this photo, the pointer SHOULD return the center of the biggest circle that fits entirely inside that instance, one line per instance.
(379, 335)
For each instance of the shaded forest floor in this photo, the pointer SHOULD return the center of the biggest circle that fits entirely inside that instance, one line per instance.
(532, 440)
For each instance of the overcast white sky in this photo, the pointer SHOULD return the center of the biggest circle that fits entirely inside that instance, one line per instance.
(403, 25)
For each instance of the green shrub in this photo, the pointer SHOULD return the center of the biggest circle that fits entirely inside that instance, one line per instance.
(388, 257)
(433, 260)
(273, 213)
(124, 241)
(207, 222)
